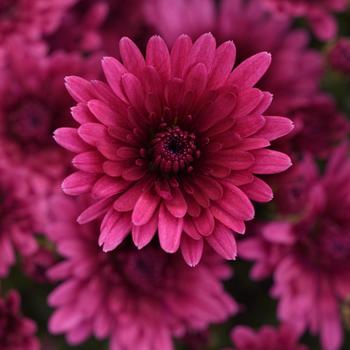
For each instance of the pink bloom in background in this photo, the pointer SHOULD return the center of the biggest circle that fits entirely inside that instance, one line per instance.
(312, 273)
(295, 71)
(320, 126)
(18, 217)
(30, 18)
(33, 103)
(267, 338)
(137, 299)
(16, 332)
(173, 143)
(319, 13)
(339, 56)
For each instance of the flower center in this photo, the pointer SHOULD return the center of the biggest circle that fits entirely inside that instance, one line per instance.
(174, 150)
(30, 123)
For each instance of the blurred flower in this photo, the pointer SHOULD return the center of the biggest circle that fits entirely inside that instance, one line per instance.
(319, 13)
(173, 143)
(319, 127)
(30, 18)
(295, 72)
(16, 332)
(18, 219)
(339, 56)
(36, 265)
(312, 273)
(267, 338)
(33, 103)
(138, 299)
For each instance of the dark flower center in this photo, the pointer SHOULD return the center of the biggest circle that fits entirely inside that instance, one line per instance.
(30, 123)
(174, 150)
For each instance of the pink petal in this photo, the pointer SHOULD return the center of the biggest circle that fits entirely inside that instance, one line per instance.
(270, 162)
(127, 201)
(103, 112)
(133, 90)
(275, 127)
(94, 211)
(227, 219)
(69, 139)
(205, 222)
(191, 250)
(132, 57)
(179, 55)
(79, 88)
(113, 71)
(145, 207)
(157, 55)
(169, 230)
(195, 82)
(250, 71)
(235, 160)
(78, 183)
(258, 190)
(177, 206)
(249, 125)
(92, 133)
(223, 63)
(247, 100)
(90, 162)
(223, 242)
(108, 186)
(142, 235)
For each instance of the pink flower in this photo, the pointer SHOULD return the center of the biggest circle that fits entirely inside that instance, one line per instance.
(319, 128)
(30, 18)
(16, 332)
(319, 13)
(295, 72)
(17, 217)
(137, 299)
(312, 248)
(172, 143)
(33, 103)
(339, 56)
(267, 338)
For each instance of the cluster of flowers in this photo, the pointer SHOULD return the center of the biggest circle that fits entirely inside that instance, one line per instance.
(128, 172)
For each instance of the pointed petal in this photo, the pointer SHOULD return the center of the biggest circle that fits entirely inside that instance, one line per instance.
(192, 250)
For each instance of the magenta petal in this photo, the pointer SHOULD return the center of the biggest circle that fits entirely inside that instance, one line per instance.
(169, 230)
(250, 71)
(179, 54)
(227, 219)
(79, 88)
(113, 71)
(145, 207)
(157, 55)
(132, 57)
(114, 229)
(247, 100)
(78, 183)
(275, 127)
(205, 222)
(90, 162)
(92, 133)
(258, 190)
(192, 250)
(177, 205)
(142, 235)
(108, 186)
(127, 201)
(202, 51)
(195, 82)
(103, 112)
(270, 162)
(223, 242)
(94, 211)
(133, 90)
(224, 61)
(249, 125)
(69, 139)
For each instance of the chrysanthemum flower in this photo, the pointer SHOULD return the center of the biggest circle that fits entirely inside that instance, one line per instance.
(311, 273)
(17, 217)
(339, 56)
(319, 127)
(267, 338)
(319, 13)
(30, 18)
(33, 103)
(172, 143)
(295, 72)
(137, 299)
(16, 332)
